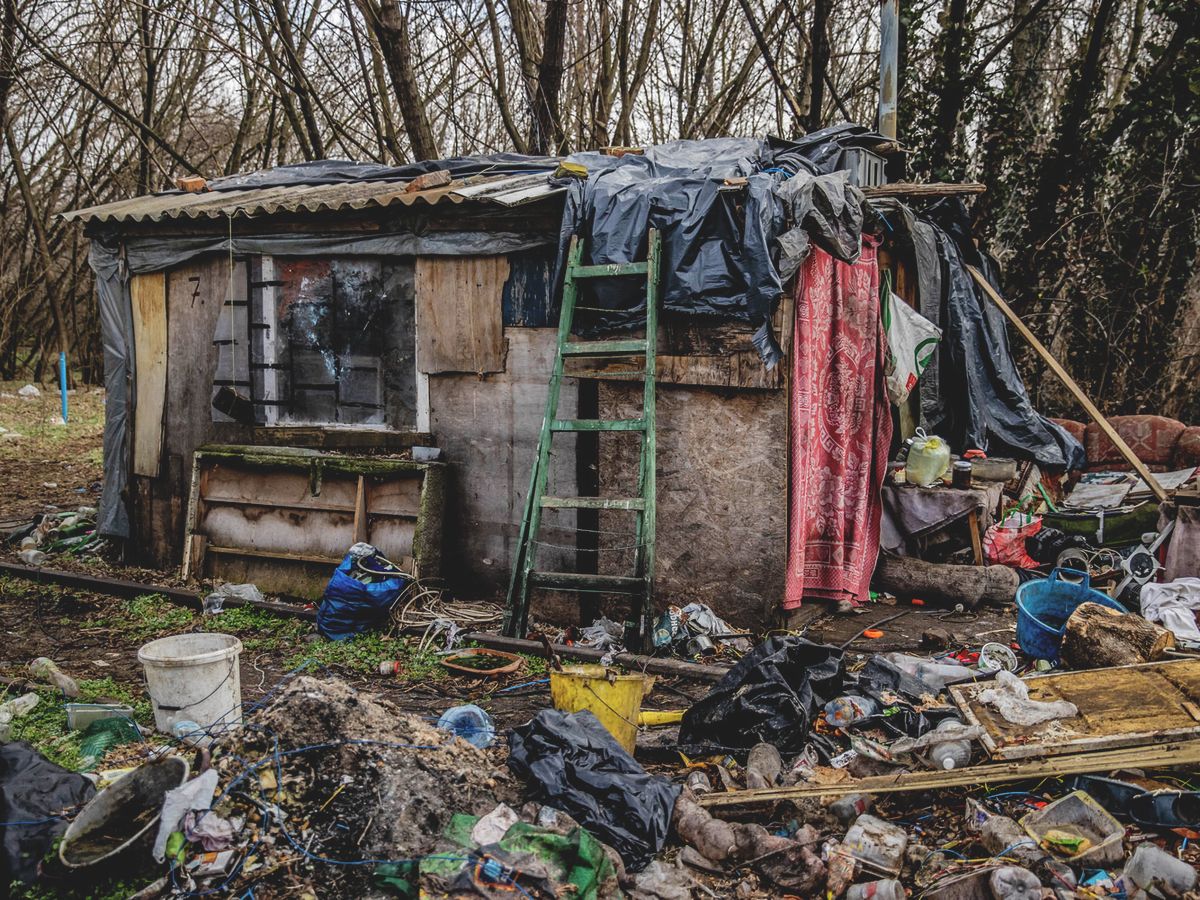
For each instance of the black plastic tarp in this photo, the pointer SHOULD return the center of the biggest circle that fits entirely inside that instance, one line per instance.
(772, 695)
(572, 763)
(982, 401)
(35, 798)
(720, 247)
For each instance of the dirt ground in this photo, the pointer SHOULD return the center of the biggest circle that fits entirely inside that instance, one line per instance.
(46, 466)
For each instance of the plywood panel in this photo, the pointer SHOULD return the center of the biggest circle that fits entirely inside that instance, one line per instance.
(1125, 706)
(460, 325)
(488, 428)
(148, 296)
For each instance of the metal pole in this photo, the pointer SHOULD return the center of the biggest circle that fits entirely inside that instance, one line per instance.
(889, 65)
(62, 382)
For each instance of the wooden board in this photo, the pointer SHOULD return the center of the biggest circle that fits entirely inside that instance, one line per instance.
(1126, 706)
(460, 319)
(148, 297)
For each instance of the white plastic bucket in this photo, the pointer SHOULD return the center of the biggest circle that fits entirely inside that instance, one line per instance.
(194, 677)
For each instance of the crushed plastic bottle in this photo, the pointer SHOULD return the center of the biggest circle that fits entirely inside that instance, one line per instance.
(190, 733)
(886, 889)
(47, 669)
(1151, 866)
(32, 557)
(843, 711)
(954, 753)
(1015, 883)
(470, 723)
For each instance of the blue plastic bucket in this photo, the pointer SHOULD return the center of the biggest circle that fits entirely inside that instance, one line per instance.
(1044, 606)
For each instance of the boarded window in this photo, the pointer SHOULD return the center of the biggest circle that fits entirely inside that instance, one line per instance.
(321, 341)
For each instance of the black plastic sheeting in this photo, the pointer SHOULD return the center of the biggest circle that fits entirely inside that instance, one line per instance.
(572, 763)
(971, 393)
(773, 694)
(719, 246)
(34, 795)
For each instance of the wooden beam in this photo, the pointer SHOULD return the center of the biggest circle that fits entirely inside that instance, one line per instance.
(1178, 753)
(935, 189)
(1076, 391)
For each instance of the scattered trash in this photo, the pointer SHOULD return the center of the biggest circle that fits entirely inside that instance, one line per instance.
(571, 761)
(122, 813)
(470, 723)
(360, 594)
(886, 889)
(12, 709)
(81, 715)
(1078, 829)
(28, 391)
(196, 794)
(1015, 883)
(614, 699)
(102, 735)
(215, 601)
(1151, 867)
(877, 844)
(46, 669)
(772, 695)
(1010, 697)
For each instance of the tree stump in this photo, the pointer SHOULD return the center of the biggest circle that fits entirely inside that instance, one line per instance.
(1097, 636)
(945, 584)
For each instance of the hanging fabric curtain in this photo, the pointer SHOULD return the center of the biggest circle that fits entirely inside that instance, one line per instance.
(841, 429)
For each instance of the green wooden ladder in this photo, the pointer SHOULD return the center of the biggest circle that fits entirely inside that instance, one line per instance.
(640, 585)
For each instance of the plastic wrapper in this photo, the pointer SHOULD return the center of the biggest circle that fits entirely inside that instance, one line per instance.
(1004, 542)
(773, 694)
(572, 763)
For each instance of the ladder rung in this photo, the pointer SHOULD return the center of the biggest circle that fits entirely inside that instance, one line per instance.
(598, 425)
(605, 348)
(574, 581)
(632, 503)
(608, 270)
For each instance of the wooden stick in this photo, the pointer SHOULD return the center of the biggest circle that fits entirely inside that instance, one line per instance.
(936, 189)
(1076, 391)
(1179, 753)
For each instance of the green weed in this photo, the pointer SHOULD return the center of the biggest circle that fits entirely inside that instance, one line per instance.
(363, 654)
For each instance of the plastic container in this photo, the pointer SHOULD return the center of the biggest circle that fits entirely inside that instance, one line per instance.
(13, 708)
(935, 674)
(877, 844)
(122, 813)
(81, 715)
(32, 557)
(928, 459)
(887, 889)
(194, 677)
(616, 700)
(1151, 866)
(844, 711)
(951, 754)
(190, 733)
(1079, 815)
(1015, 883)
(1044, 606)
(470, 723)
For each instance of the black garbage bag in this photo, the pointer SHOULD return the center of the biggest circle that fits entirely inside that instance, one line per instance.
(572, 763)
(771, 695)
(35, 794)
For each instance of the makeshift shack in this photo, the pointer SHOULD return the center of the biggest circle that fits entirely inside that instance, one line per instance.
(277, 344)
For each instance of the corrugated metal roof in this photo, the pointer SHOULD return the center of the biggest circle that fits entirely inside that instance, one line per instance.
(506, 190)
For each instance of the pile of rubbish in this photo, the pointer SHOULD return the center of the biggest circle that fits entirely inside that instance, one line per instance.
(71, 533)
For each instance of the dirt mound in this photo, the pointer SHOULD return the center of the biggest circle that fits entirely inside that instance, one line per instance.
(358, 779)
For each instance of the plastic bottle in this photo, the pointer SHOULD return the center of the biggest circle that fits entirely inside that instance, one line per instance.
(47, 670)
(32, 557)
(1150, 866)
(17, 706)
(887, 889)
(847, 710)
(951, 754)
(1015, 883)
(391, 667)
(935, 674)
(850, 807)
(470, 723)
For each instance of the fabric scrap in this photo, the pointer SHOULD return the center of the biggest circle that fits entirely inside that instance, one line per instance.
(1010, 697)
(1174, 606)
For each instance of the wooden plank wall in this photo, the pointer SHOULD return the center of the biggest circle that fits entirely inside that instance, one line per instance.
(460, 326)
(149, 301)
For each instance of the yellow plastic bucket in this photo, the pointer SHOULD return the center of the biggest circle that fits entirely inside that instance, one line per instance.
(616, 700)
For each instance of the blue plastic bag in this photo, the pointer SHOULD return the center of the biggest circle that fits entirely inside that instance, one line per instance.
(350, 606)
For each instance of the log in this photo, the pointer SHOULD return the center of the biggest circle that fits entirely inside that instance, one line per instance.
(944, 584)
(1098, 636)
